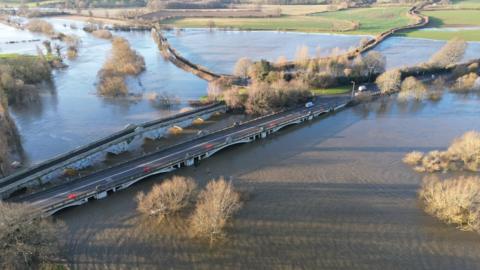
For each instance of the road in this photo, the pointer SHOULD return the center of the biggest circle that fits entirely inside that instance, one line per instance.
(120, 174)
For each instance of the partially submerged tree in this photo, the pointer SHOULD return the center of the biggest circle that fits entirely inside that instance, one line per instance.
(451, 53)
(167, 198)
(123, 60)
(374, 63)
(412, 89)
(454, 201)
(216, 205)
(390, 81)
(40, 26)
(26, 242)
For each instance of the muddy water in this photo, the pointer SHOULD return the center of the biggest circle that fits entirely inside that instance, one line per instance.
(332, 194)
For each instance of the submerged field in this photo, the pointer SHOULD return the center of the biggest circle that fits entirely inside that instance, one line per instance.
(369, 20)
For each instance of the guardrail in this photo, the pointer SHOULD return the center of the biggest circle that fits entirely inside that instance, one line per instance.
(176, 163)
(34, 172)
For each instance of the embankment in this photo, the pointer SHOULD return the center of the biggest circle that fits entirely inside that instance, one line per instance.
(174, 56)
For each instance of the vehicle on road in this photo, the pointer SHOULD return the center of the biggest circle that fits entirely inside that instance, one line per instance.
(72, 196)
(309, 104)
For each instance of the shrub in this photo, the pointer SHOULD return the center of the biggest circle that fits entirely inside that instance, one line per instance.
(454, 201)
(167, 198)
(41, 26)
(463, 153)
(216, 205)
(413, 158)
(112, 85)
(122, 61)
(102, 33)
(467, 83)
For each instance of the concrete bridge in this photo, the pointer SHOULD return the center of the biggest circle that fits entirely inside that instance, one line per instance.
(98, 185)
(130, 138)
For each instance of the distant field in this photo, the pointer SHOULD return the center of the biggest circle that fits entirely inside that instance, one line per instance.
(296, 9)
(372, 20)
(332, 91)
(284, 23)
(466, 4)
(450, 18)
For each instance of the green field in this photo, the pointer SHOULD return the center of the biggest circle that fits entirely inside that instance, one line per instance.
(284, 23)
(466, 4)
(332, 91)
(372, 21)
(450, 18)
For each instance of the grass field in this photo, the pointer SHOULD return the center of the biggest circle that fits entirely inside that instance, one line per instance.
(296, 9)
(332, 91)
(284, 23)
(450, 18)
(372, 21)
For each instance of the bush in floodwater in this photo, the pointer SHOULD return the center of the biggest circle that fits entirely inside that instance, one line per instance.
(389, 81)
(112, 86)
(167, 198)
(452, 52)
(40, 26)
(412, 89)
(122, 61)
(413, 158)
(466, 83)
(216, 205)
(454, 201)
(102, 33)
(463, 154)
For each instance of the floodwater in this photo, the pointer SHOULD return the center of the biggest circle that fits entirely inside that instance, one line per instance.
(70, 114)
(331, 194)
(219, 50)
(403, 51)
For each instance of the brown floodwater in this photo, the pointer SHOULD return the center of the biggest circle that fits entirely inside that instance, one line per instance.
(331, 194)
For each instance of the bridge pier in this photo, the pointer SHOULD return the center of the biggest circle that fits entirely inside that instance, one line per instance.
(101, 195)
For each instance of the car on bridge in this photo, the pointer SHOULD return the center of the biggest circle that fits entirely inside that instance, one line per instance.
(72, 196)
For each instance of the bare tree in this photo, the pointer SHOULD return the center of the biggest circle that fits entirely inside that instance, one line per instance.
(452, 52)
(389, 81)
(302, 55)
(242, 67)
(374, 62)
(216, 205)
(26, 242)
(412, 88)
(167, 198)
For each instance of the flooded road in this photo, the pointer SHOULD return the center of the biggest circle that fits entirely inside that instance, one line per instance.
(332, 194)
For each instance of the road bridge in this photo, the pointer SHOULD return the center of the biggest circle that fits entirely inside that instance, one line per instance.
(130, 138)
(98, 185)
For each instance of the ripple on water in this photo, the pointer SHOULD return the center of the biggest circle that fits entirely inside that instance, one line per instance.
(331, 194)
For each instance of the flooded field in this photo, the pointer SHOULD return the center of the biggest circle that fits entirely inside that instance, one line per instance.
(68, 108)
(70, 114)
(331, 194)
(219, 50)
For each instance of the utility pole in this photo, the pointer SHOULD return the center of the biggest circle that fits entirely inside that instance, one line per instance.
(353, 89)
